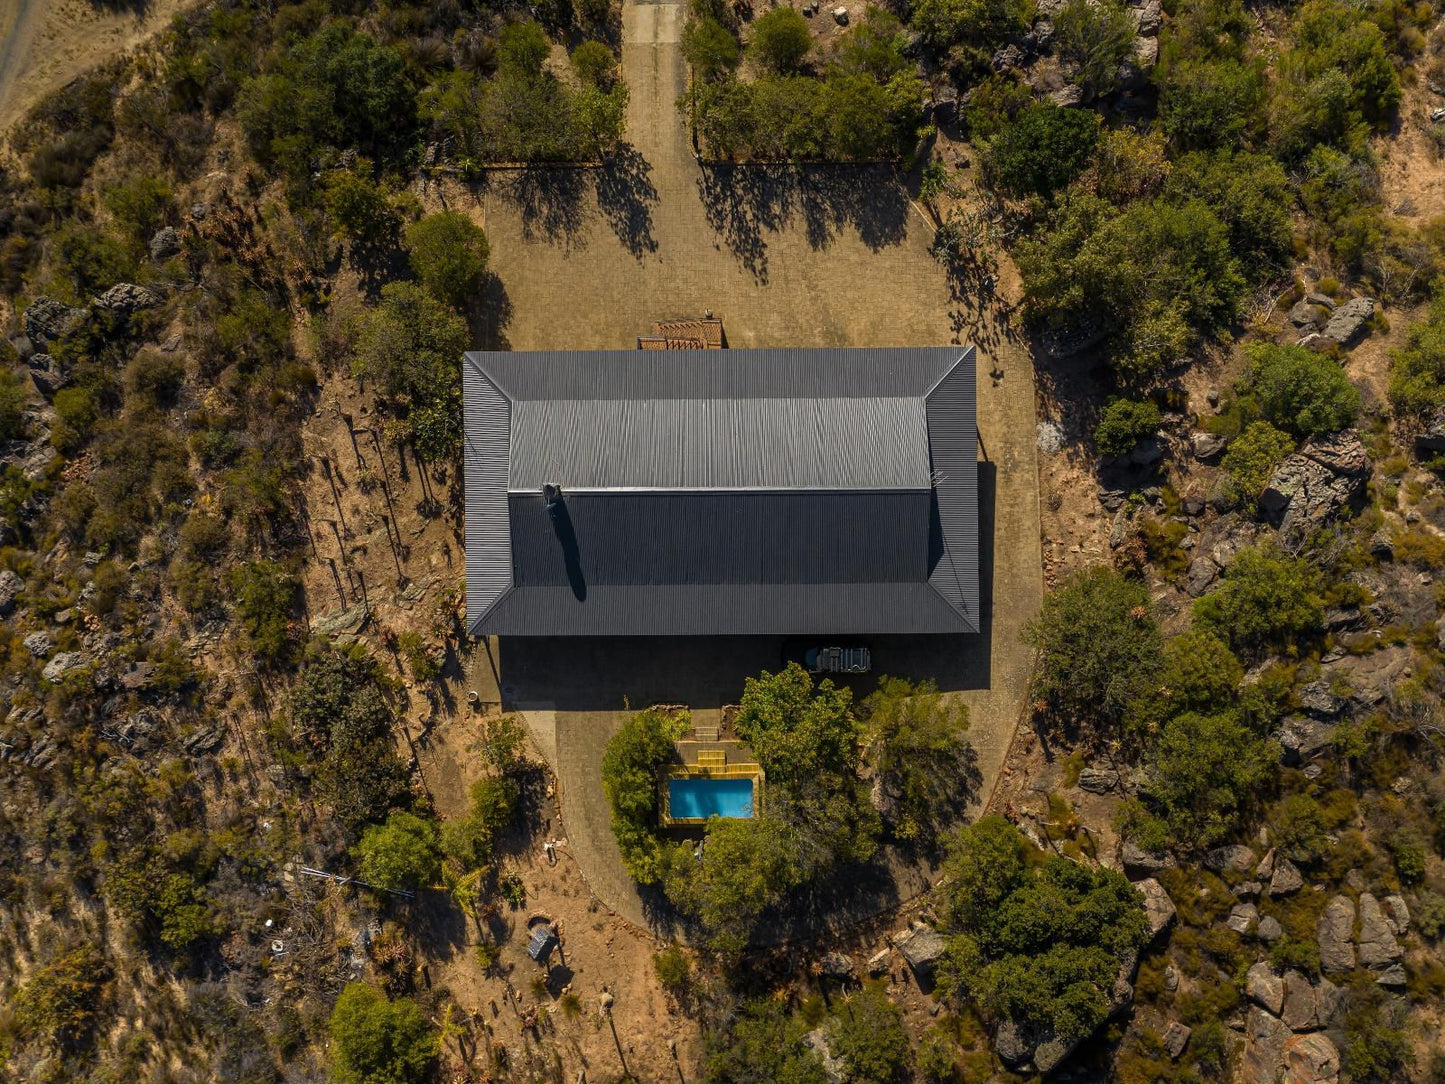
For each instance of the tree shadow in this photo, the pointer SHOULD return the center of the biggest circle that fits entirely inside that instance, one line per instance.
(744, 201)
(626, 196)
(490, 315)
(551, 203)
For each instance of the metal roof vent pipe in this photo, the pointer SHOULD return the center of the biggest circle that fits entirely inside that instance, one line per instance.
(552, 497)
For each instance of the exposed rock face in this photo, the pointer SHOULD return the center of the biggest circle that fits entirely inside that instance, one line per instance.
(1286, 878)
(1241, 917)
(833, 1067)
(1206, 445)
(10, 587)
(1346, 322)
(1396, 914)
(165, 243)
(1333, 931)
(1307, 315)
(837, 966)
(62, 664)
(1176, 1038)
(1140, 863)
(1378, 947)
(1067, 96)
(1314, 484)
(1316, 699)
(39, 644)
(1269, 929)
(1235, 857)
(127, 297)
(342, 625)
(878, 962)
(1311, 1059)
(47, 319)
(1202, 572)
(1265, 1037)
(1300, 739)
(921, 946)
(1264, 988)
(1157, 905)
(1098, 780)
(47, 374)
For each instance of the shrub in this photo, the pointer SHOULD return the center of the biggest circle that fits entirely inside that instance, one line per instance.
(1198, 673)
(594, 64)
(1300, 391)
(141, 204)
(264, 595)
(1206, 103)
(674, 970)
(630, 767)
(1299, 829)
(1124, 423)
(920, 752)
(1042, 150)
(797, 730)
(762, 1043)
(1430, 915)
(1251, 195)
(449, 252)
(1417, 375)
(1251, 458)
(711, 48)
(60, 1002)
(1096, 38)
(1098, 645)
(402, 853)
(377, 1041)
(154, 376)
(1266, 599)
(868, 1034)
(361, 209)
(12, 400)
(780, 39)
(974, 24)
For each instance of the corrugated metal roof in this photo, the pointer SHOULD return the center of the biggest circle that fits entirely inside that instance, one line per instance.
(838, 524)
(720, 444)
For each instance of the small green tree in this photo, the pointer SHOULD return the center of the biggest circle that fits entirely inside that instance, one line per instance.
(378, 1041)
(1267, 599)
(919, 748)
(711, 48)
(141, 204)
(1042, 150)
(796, 730)
(1251, 458)
(1098, 645)
(868, 1034)
(630, 778)
(1417, 376)
(448, 252)
(523, 47)
(763, 1045)
(1199, 673)
(12, 399)
(1300, 391)
(1124, 423)
(976, 25)
(781, 40)
(362, 209)
(1096, 37)
(58, 1003)
(402, 853)
(264, 595)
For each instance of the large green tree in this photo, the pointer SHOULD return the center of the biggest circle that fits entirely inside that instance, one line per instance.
(448, 252)
(378, 1041)
(918, 746)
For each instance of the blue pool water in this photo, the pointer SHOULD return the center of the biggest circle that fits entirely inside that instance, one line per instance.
(710, 797)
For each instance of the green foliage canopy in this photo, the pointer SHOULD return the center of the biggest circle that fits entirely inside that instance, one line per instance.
(402, 853)
(378, 1041)
(781, 39)
(448, 252)
(1300, 391)
(1124, 423)
(1267, 599)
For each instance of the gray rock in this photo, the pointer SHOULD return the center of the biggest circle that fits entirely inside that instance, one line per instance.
(1157, 905)
(1382, 545)
(1300, 1010)
(1396, 914)
(1098, 780)
(1286, 878)
(205, 739)
(1317, 700)
(47, 374)
(1222, 495)
(342, 624)
(47, 319)
(1148, 17)
(1171, 978)
(1241, 917)
(1347, 320)
(1202, 572)
(834, 1068)
(921, 946)
(836, 965)
(136, 676)
(1333, 931)
(1147, 452)
(1235, 858)
(840, 16)
(1206, 445)
(1176, 1038)
(1394, 975)
(1066, 97)
(1012, 1045)
(1264, 1042)
(1269, 929)
(945, 105)
(1311, 1059)
(1248, 889)
(1307, 315)
(1431, 437)
(1264, 988)
(1008, 58)
(878, 962)
(127, 297)
(1378, 947)
(1301, 739)
(10, 587)
(1324, 301)
(1049, 437)
(165, 243)
(39, 644)
(1316, 483)
(62, 664)
(1138, 862)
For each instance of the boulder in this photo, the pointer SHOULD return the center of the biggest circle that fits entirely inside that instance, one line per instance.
(1396, 914)
(1176, 1038)
(945, 105)
(1301, 1008)
(47, 374)
(836, 965)
(1301, 739)
(1394, 975)
(1378, 947)
(342, 625)
(10, 587)
(47, 319)
(840, 16)
(1098, 780)
(1317, 699)
(1049, 436)
(921, 946)
(1138, 862)
(834, 1068)
(1286, 878)
(1012, 1044)
(1265, 1037)
(1206, 446)
(1148, 17)
(1346, 321)
(1202, 572)
(878, 962)
(1235, 858)
(1333, 931)
(39, 644)
(1269, 929)
(1307, 315)
(1264, 988)
(1313, 485)
(165, 243)
(1008, 58)
(1311, 1059)
(62, 664)
(1157, 905)
(1248, 889)
(127, 297)
(1241, 917)
(1066, 97)
(1431, 437)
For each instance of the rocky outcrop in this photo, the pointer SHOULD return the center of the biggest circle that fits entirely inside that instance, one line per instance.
(921, 945)
(1241, 917)
(1301, 739)
(1157, 905)
(1098, 780)
(47, 374)
(1263, 987)
(836, 965)
(62, 664)
(10, 587)
(47, 319)
(1311, 1059)
(127, 297)
(834, 1067)
(1316, 483)
(1235, 858)
(1333, 931)
(1020, 1046)
(1347, 321)
(165, 243)
(1308, 1006)
(1138, 862)
(1265, 1036)
(1378, 947)
(1176, 1038)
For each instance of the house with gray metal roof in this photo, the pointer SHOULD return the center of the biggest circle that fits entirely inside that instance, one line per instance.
(721, 492)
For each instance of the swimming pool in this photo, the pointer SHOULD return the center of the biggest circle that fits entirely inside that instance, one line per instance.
(697, 798)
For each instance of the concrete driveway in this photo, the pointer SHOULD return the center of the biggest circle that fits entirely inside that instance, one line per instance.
(822, 256)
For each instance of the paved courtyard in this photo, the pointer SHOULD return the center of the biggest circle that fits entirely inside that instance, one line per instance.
(587, 259)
